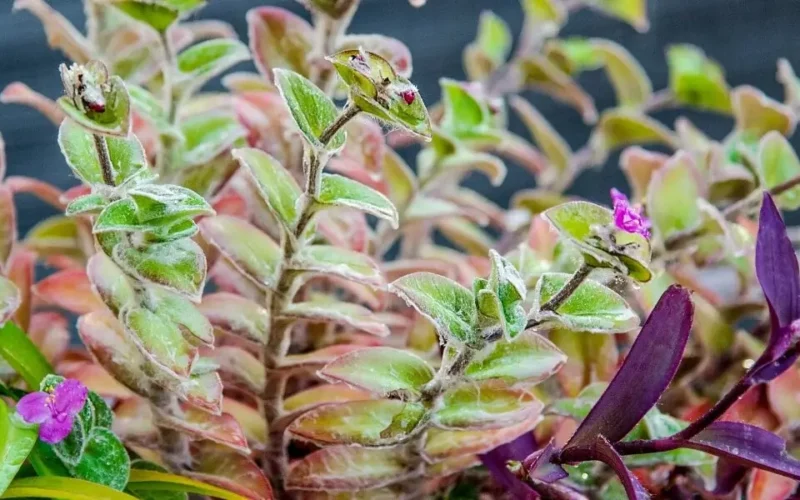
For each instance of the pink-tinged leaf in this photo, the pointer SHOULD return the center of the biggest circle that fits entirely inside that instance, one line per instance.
(46, 192)
(221, 429)
(339, 468)
(639, 165)
(487, 405)
(19, 93)
(452, 466)
(619, 128)
(10, 299)
(8, 224)
(102, 335)
(391, 49)
(330, 260)
(50, 332)
(319, 357)
(21, 272)
(441, 444)
(383, 370)
(94, 377)
(605, 452)
(528, 358)
(656, 353)
(240, 367)
(203, 391)
(381, 422)
(217, 465)
(61, 34)
(769, 486)
(279, 39)
(236, 315)
(747, 445)
(248, 248)
(250, 420)
(783, 397)
(549, 141)
(133, 422)
(345, 228)
(229, 280)
(363, 152)
(343, 313)
(396, 269)
(757, 114)
(70, 290)
(322, 394)
(779, 276)
(113, 286)
(242, 81)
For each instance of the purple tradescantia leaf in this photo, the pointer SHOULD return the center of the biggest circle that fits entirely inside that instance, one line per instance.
(539, 466)
(605, 452)
(645, 374)
(779, 276)
(746, 445)
(728, 475)
(497, 459)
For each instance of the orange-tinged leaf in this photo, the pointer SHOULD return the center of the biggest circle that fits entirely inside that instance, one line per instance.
(222, 429)
(758, 114)
(324, 393)
(639, 165)
(70, 290)
(237, 315)
(347, 468)
(442, 444)
(279, 39)
(19, 93)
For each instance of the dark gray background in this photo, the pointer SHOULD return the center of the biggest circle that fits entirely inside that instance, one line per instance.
(745, 36)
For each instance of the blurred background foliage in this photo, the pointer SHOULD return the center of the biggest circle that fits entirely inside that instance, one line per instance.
(746, 37)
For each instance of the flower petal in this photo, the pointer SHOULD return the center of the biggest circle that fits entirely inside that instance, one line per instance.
(54, 430)
(70, 396)
(33, 408)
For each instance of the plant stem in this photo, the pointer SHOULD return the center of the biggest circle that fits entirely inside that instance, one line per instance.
(564, 293)
(277, 346)
(101, 146)
(730, 213)
(170, 103)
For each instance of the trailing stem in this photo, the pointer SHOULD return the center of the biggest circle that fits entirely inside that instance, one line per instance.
(279, 340)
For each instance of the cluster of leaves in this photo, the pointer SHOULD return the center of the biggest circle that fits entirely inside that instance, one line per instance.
(226, 255)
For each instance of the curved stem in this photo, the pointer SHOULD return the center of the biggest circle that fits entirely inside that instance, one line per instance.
(564, 293)
(101, 146)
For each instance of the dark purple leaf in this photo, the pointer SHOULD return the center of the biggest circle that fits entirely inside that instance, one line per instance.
(496, 461)
(746, 445)
(769, 368)
(728, 475)
(540, 467)
(645, 374)
(605, 452)
(558, 492)
(778, 274)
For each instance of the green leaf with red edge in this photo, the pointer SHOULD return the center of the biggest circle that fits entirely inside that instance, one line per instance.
(311, 109)
(466, 117)
(384, 371)
(115, 120)
(672, 197)
(348, 468)
(200, 425)
(160, 339)
(10, 299)
(391, 49)
(344, 313)
(77, 145)
(485, 405)
(593, 307)
(528, 358)
(382, 422)
(167, 203)
(778, 163)
(201, 62)
(618, 128)
(279, 39)
(178, 265)
(339, 191)
(110, 282)
(248, 248)
(276, 185)
(209, 135)
(303, 401)
(756, 114)
(447, 304)
(441, 444)
(203, 391)
(539, 73)
(341, 262)
(696, 80)
(237, 315)
(69, 289)
(194, 326)
(240, 368)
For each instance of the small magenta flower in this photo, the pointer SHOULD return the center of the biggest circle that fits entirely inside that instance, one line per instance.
(408, 96)
(54, 411)
(629, 217)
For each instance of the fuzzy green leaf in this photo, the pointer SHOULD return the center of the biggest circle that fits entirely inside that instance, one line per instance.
(448, 305)
(16, 442)
(78, 147)
(778, 163)
(209, 135)
(157, 16)
(160, 339)
(339, 191)
(696, 80)
(105, 460)
(335, 261)
(528, 358)
(485, 406)
(276, 185)
(205, 60)
(672, 197)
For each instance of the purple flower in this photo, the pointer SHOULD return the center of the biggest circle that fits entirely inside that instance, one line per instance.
(629, 217)
(54, 411)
